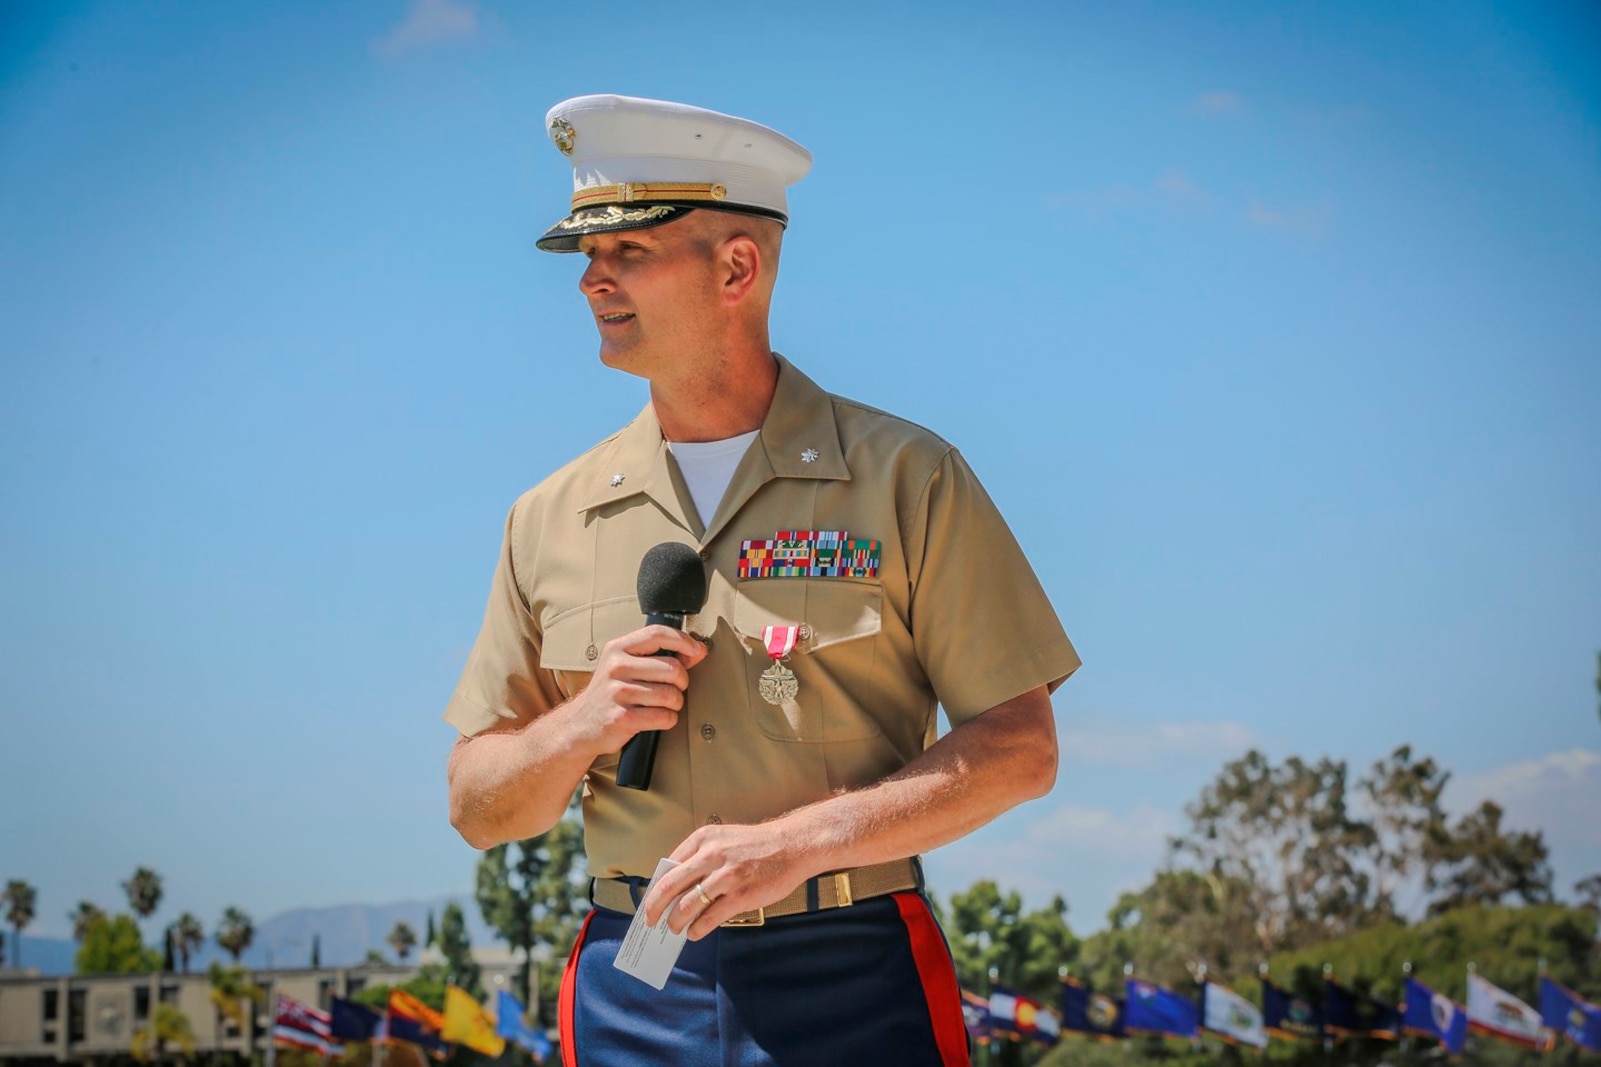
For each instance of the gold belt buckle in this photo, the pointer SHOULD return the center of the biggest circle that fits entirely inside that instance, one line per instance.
(842, 889)
(744, 919)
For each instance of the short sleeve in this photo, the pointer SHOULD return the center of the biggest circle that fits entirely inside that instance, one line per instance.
(503, 681)
(982, 625)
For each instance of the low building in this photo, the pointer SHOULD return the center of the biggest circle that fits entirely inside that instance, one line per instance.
(92, 1019)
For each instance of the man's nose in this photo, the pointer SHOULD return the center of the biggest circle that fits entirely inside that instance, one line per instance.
(596, 279)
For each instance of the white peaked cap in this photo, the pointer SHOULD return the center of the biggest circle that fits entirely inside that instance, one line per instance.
(639, 163)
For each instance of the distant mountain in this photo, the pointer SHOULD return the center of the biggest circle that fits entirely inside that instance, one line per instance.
(347, 932)
(47, 955)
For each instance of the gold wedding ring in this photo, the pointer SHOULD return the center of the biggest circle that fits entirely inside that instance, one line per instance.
(699, 892)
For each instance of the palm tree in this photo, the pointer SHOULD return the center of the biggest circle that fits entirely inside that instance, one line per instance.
(402, 939)
(231, 987)
(81, 916)
(235, 932)
(19, 899)
(186, 935)
(144, 892)
(168, 1026)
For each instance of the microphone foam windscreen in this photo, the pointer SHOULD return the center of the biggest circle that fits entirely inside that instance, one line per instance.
(672, 580)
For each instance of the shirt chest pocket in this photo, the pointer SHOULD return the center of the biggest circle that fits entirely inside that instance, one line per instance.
(834, 660)
(573, 639)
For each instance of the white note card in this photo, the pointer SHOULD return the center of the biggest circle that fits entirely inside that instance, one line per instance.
(649, 952)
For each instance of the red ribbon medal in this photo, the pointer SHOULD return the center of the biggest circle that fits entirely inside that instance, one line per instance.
(777, 684)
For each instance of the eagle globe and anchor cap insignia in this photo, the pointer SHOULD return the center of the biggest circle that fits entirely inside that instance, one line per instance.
(562, 132)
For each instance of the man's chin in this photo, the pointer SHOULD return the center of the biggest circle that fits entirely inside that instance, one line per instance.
(622, 359)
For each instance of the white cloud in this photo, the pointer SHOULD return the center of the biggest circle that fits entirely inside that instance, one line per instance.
(1122, 743)
(1173, 189)
(1306, 221)
(1088, 855)
(1558, 794)
(1216, 102)
(429, 22)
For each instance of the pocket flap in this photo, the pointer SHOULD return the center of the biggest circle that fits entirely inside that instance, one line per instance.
(832, 610)
(570, 635)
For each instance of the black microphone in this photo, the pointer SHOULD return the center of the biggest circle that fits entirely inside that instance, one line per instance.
(672, 585)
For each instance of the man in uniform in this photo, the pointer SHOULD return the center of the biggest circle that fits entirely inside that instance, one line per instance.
(858, 578)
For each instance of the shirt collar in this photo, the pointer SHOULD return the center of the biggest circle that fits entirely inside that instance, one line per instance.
(799, 439)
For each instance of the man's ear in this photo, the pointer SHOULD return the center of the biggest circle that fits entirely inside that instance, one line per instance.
(741, 260)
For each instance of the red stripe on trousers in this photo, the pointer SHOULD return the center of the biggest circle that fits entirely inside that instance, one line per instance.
(564, 1002)
(940, 988)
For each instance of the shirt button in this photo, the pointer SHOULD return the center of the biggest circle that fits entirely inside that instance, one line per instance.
(713, 819)
(708, 731)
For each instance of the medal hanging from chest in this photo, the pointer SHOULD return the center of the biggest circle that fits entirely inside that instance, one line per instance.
(778, 685)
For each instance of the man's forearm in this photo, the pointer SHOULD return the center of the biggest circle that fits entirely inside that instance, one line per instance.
(976, 772)
(514, 784)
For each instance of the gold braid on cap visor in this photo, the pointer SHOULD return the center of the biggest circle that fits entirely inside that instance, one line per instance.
(642, 192)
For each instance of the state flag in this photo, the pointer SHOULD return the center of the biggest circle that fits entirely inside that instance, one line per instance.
(467, 1023)
(1288, 1016)
(511, 1024)
(350, 1021)
(1089, 1012)
(1429, 1014)
(976, 1016)
(1565, 1012)
(1021, 1015)
(1230, 1016)
(1152, 1009)
(1348, 1013)
(1499, 1014)
(298, 1025)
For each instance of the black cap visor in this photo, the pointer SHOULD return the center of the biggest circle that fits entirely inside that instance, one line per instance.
(610, 218)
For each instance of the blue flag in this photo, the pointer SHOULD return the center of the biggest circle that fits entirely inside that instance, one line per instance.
(1570, 1015)
(350, 1021)
(976, 1016)
(1347, 1013)
(400, 1028)
(1089, 1012)
(1160, 1011)
(1289, 1016)
(510, 1024)
(1431, 1014)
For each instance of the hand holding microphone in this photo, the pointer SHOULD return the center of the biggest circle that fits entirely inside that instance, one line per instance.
(671, 587)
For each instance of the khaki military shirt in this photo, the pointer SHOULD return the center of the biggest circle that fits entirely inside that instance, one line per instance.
(954, 615)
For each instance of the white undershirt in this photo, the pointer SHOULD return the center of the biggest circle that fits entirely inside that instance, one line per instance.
(708, 467)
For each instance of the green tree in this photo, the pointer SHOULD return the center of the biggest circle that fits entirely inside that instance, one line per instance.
(20, 898)
(235, 933)
(990, 931)
(168, 1029)
(316, 952)
(431, 934)
(460, 967)
(527, 893)
(402, 939)
(1588, 892)
(233, 993)
(1484, 864)
(186, 935)
(144, 892)
(1169, 929)
(80, 918)
(1410, 829)
(113, 945)
(1284, 835)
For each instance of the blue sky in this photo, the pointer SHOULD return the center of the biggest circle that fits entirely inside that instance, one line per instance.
(1271, 328)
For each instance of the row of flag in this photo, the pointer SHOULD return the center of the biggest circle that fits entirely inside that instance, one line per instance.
(1150, 1009)
(409, 1021)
